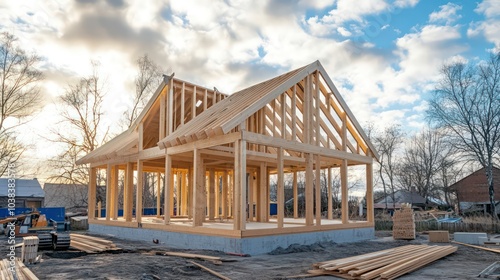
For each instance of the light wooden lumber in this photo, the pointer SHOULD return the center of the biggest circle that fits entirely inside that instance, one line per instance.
(478, 247)
(215, 273)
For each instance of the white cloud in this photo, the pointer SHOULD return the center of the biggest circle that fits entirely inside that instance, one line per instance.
(344, 32)
(490, 8)
(405, 3)
(447, 13)
(490, 27)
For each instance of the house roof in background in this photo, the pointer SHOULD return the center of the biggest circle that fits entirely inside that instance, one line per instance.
(403, 196)
(24, 188)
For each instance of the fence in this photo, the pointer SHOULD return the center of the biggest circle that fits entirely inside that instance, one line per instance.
(451, 227)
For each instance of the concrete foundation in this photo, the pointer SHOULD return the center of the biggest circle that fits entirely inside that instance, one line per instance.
(251, 245)
(469, 237)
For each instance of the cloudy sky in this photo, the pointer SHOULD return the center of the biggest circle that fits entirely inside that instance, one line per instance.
(384, 56)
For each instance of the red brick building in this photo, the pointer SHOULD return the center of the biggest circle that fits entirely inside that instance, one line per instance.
(472, 191)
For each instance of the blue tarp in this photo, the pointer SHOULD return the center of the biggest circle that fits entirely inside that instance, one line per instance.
(54, 213)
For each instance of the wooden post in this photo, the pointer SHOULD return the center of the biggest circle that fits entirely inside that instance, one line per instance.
(178, 194)
(92, 192)
(114, 194)
(318, 190)
(190, 193)
(240, 184)
(294, 113)
(211, 194)
(128, 192)
(295, 196)
(138, 193)
(345, 197)
(109, 185)
(369, 193)
(330, 198)
(171, 191)
(158, 194)
(281, 188)
(309, 190)
(224, 194)
(168, 186)
(170, 111)
(199, 191)
(250, 197)
(261, 193)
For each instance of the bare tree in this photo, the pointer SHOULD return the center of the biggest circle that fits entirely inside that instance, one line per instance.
(467, 103)
(82, 129)
(19, 95)
(147, 80)
(387, 143)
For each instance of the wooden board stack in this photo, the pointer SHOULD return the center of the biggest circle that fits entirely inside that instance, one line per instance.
(386, 264)
(91, 244)
(29, 249)
(21, 271)
(403, 223)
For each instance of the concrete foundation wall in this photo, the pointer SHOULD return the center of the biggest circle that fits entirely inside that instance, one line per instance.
(251, 245)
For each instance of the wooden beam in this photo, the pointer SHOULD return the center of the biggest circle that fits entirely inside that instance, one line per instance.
(281, 189)
(128, 192)
(250, 196)
(283, 115)
(345, 197)
(109, 192)
(294, 113)
(301, 147)
(205, 143)
(295, 196)
(211, 194)
(317, 124)
(205, 100)
(330, 198)
(138, 193)
(194, 100)
(184, 194)
(167, 191)
(240, 184)
(163, 115)
(369, 193)
(92, 192)
(141, 137)
(309, 189)
(317, 187)
(199, 191)
(170, 110)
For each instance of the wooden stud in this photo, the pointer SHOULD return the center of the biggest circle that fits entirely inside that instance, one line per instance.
(262, 215)
(182, 103)
(109, 185)
(194, 100)
(171, 194)
(318, 115)
(177, 185)
(163, 112)
(211, 194)
(225, 190)
(184, 194)
(281, 188)
(205, 100)
(330, 198)
(250, 197)
(167, 191)
(190, 193)
(138, 193)
(92, 192)
(317, 187)
(141, 137)
(114, 192)
(295, 196)
(345, 197)
(283, 115)
(170, 110)
(294, 113)
(240, 184)
(99, 207)
(309, 189)
(158, 194)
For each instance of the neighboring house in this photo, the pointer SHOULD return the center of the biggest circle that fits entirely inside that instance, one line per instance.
(400, 197)
(29, 193)
(69, 196)
(472, 191)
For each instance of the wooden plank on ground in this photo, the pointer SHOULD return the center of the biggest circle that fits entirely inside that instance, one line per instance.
(214, 273)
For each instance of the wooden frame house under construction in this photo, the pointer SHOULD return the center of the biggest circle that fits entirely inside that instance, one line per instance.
(217, 153)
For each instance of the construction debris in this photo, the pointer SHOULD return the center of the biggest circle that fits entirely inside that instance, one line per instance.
(20, 271)
(386, 264)
(403, 223)
(214, 273)
(91, 244)
(492, 271)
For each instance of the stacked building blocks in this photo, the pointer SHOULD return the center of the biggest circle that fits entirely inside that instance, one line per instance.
(403, 223)
(439, 236)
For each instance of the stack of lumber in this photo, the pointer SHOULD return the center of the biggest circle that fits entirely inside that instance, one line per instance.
(21, 272)
(386, 264)
(403, 223)
(29, 249)
(91, 244)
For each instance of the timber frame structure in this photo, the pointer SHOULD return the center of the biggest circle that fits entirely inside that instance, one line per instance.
(218, 152)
